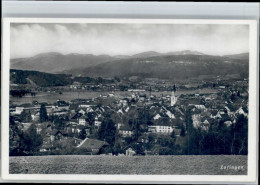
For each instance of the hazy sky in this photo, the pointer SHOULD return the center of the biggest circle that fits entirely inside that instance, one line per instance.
(126, 39)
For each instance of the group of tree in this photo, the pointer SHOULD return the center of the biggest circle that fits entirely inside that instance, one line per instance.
(19, 93)
(39, 78)
(23, 142)
(219, 139)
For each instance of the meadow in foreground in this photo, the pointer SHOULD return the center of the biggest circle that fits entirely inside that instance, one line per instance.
(142, 165)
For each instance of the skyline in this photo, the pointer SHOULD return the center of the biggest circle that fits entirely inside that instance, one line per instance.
(28, 40)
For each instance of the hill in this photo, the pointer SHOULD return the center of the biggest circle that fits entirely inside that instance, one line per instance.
(154, 53)
(56, 62)
(36, 78)
(171, 65)
(168, 67)
(241, 56)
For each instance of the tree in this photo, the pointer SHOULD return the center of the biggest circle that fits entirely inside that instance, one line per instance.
(166, 145)
(107, 131)
(59, 123)
(117, 79)
(117, 148)
(82, 134)
(91, 118)
(32, 140)
(239, 133)
(26, 116)
(43, 113)
(15, 135)
(165, 151)
(173, 136)
(136, 129)
(182, 134)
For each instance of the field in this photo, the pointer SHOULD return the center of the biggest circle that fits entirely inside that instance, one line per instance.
(143, 165)
(68, 96)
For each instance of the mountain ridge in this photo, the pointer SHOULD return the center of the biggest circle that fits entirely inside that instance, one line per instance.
(84, 64)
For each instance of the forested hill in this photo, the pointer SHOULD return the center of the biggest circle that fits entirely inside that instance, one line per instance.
(168, 67)
(173, 65)
(41, 79)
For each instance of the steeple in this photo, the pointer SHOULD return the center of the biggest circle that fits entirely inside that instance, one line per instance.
(150, 92)
(173, 98)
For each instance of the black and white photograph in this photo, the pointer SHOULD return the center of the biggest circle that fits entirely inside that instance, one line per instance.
(130, 97)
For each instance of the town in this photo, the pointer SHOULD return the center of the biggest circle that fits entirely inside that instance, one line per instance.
(132, 116)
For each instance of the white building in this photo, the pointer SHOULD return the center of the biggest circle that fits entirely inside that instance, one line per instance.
(82, 121)
(160, 129)
(130, 152)
(97, 123)
(126, 133)
(196, 120)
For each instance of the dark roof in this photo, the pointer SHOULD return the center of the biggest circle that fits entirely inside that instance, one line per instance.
(161, 122)
(194, 102)
(76, 116)
(81, 127)
(214, 112)
(125, 127)
(92, 144)
(82, 117)
(54, 132)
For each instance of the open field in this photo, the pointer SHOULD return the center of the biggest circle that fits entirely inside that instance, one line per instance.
(143, 165)
(68, 96)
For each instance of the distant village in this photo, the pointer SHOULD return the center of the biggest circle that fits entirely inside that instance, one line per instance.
(143, 123)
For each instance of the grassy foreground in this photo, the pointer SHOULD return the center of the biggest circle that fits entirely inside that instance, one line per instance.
(143, 165)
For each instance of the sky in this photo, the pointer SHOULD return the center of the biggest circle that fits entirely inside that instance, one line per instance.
(28, 40)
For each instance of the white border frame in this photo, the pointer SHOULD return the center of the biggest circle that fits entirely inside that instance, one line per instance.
(252, 144)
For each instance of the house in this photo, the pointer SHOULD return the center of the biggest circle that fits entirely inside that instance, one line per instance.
(35, 116)
(82, 120)
(204, 126)
(82, 111)
(157, 116)
(228, 123)
(200, 106)
(119, 125)
(19, 110)
(177, 132)
(124, 102)
(130, 152)
(79, 128)
(215, 114)
(97, 122)
(77, 141)
(75, 117)
(94, 145)
(75, 85)
(160, 128)
(38, 129)
(241, 110)
(60, 113)
(142, 97)
(55, 135)
(143, 139)
(26, 126)
(125, 131)
(46, 147)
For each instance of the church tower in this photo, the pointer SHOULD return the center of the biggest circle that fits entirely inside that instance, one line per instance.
(150, 92)
(173, 98)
